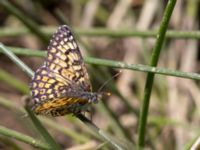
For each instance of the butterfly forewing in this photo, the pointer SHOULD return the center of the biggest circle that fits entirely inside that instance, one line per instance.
(64, 58)
(62, 72)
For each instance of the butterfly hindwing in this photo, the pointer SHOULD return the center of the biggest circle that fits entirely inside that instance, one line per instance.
(45, 86)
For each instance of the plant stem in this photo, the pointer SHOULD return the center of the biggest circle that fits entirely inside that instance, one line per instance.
(7, 31)
(16, 60)
(36, 122)
(13, 82)
(150, 76)
(47, 137)
(21, 137)
(24, 19)
(111, 63)
(98, 131)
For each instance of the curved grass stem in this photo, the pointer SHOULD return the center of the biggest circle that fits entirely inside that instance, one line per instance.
(150, 76)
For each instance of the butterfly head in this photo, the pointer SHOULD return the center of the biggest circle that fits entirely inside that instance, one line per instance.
(96, 96)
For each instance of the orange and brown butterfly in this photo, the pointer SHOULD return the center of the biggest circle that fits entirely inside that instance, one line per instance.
(61, 85)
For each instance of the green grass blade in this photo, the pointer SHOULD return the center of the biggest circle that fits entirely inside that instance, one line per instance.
(36, 122)
(47, 137)
(16, 60)
(114, 64)
(13, 82)
(24, 138)
(24, 19)
(150, 76)
(12, 32)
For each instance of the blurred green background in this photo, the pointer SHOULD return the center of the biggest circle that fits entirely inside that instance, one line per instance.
(120, 30)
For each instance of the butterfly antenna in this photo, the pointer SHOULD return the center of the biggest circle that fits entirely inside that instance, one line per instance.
(104, 84)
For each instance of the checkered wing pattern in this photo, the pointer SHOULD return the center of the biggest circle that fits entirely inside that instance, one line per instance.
(62, 73)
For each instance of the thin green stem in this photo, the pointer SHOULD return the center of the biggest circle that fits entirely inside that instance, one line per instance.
(47, 137)
(136, 33)
(112, 117)
(76, 137)
(16, 60)
(114, 64)
(24, 19)
(9, 141)
(24, 138)
(150, 76)
(7, 31)
(26, 52)
(38, 125)
(13, 82)
(99, 131)
(143, 68)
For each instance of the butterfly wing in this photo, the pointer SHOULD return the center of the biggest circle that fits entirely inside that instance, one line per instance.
(64, 58)
(63, 71)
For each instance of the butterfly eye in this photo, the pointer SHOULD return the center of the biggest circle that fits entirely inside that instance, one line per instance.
(96, 97)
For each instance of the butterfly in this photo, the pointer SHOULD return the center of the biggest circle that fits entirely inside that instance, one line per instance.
(61, 85)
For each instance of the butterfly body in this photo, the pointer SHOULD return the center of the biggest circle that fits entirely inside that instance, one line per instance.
(61, 85)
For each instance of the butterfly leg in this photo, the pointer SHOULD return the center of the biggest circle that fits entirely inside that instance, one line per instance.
(27, 103)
